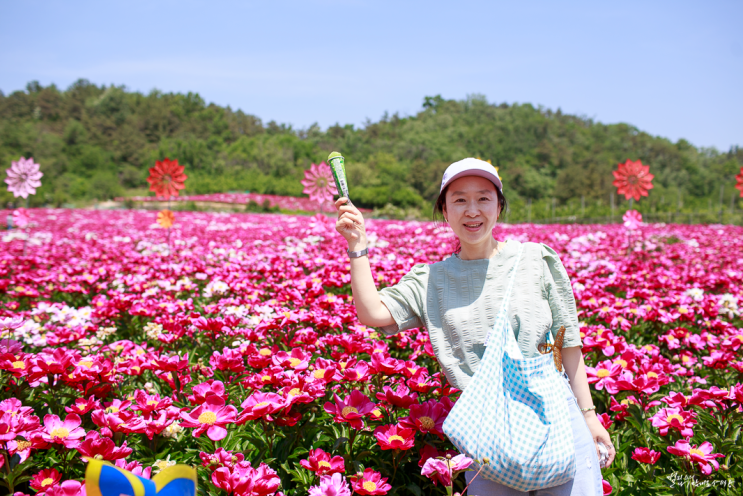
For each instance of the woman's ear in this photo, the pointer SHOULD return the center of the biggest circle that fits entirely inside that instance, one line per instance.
(443, 211)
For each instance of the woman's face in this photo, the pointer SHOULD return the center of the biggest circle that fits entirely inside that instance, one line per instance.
(472, 209)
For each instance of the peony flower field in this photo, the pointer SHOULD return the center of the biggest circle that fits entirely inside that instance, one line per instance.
(230, 343)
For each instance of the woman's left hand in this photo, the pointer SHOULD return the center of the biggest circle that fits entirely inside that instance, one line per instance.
(599, 433)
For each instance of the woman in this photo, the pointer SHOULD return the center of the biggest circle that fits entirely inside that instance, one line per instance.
(457, 300)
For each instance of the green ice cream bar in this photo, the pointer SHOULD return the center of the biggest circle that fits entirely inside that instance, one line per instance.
(339, 173)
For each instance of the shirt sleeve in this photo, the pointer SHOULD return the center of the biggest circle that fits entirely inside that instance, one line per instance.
(405, 299)
(561, 299)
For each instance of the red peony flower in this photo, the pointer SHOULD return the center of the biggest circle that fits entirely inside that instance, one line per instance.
(102, 448)
(260, 405)
(645, 455)
(633, 179)
(166, 178)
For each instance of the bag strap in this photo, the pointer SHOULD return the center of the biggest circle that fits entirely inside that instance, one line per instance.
(512, 279)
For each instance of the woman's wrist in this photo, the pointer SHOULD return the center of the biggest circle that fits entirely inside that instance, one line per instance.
(357, 245)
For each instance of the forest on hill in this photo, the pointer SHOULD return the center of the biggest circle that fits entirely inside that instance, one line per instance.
(98, 142)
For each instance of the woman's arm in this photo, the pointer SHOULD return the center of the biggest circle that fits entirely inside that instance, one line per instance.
(369, 307)
(572, 359)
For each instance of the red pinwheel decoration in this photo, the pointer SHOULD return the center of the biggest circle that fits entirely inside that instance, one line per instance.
(166, 178)
(633, 179)
(739, 181)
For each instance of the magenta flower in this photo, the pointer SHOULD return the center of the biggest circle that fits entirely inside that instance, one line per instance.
(20, 217)
(352, 409)
(632, 219)
(23, 177)
(321, 462)
(102, 448)
(701, 455)
(370, 482)
(331, 485)
(674, 418)
(67, 432)
(443, 470)
(318, 182)
(211, 417)
(394, 437)
(645, 455)
(260, 405)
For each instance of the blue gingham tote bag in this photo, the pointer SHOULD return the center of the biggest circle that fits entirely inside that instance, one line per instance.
(514, 413)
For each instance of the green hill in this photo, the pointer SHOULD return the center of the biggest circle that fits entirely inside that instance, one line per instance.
(97, 142)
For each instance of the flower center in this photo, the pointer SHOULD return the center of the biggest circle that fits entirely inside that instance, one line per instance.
(318, 374)
(348, 409)
(369, 486)
(396, 438)
(47, 482)
(152, 402)
(85, 364)
(19, 365)
(266, 378)
(265, 352)
(60, 432)
(652, 374)
(22, 445)
(323, 464)
(294, 362)
(426, 422)
(261, 404)
(295, 392)
(695, 451)
(601, 373)
(208, 417)
(675, 416)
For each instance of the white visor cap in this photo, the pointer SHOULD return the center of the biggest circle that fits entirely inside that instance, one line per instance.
(471, 167)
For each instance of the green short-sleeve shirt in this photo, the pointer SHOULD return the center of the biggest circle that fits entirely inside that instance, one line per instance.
(457, 301)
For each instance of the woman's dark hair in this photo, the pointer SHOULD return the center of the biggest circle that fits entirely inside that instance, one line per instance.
(438, 210)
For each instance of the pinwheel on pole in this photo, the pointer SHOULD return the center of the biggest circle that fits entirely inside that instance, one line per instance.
(739, 182)
(633, 180)
(23, 179)
(319, 184)
(166, 180)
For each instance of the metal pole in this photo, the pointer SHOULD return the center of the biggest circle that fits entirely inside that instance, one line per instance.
(722, 193)
(582, 205)
(612, 206)
(553, 210)
(528, 211)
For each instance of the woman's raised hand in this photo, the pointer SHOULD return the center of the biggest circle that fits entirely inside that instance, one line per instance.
(350, 224)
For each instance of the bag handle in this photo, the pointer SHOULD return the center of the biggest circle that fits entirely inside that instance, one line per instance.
(506, 298)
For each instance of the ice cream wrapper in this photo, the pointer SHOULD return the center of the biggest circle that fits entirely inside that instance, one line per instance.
(338, 168)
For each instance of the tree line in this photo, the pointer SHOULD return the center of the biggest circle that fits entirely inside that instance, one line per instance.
(98, 142)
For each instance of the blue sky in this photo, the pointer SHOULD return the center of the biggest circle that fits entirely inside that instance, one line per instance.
(673, 69)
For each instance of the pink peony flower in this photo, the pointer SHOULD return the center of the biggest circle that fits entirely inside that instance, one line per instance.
(67, 432)
(352, 409)
(402, 397)
(46, 479)
(260, 405)
(331, 485)
(319, 461)
(370, 482)
(243, 479)
(674, 418)
(426, 417)
(23, 177)
(211, 417)
(394, 437)
(701, 455)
